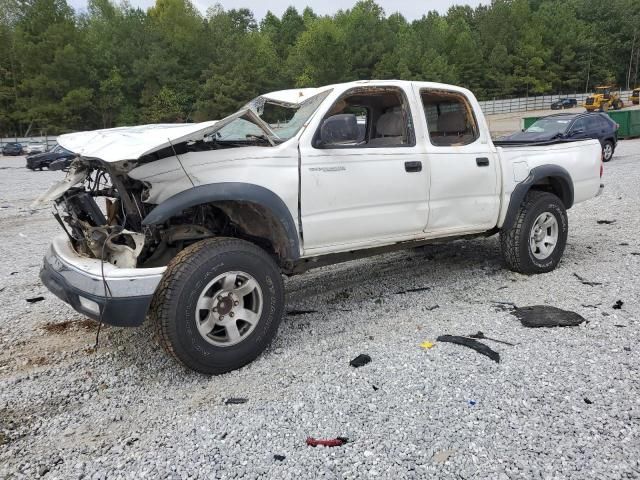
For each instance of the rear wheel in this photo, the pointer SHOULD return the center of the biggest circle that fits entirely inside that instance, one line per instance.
(607, 151)
(219, 305)
(536, 241)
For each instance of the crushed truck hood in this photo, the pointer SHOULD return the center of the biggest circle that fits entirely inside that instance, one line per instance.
(130, 143)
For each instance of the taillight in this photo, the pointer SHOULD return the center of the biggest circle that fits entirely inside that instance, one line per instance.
(617, 126)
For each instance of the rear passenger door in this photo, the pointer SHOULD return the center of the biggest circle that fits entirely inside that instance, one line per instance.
(464, 172)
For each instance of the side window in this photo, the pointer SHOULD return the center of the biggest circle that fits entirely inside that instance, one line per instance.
(367, 117)
(593, 123)
(579, 124)
(450, 118)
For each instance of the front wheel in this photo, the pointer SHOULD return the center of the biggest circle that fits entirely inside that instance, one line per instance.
(219, 305)
(536, 241)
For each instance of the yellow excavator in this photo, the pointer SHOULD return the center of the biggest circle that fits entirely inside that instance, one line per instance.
(603, 99)
(635, 96)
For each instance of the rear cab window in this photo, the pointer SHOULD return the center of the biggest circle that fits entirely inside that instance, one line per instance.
(450, 118)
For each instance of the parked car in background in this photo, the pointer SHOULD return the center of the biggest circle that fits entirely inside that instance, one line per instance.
(34, 147)
(564, 103)
(12, 148)
(635, 96)
(57, 154)
(573, 126)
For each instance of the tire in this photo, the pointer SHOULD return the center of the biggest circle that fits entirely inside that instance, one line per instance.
(607, 151)
(516, 243)
(191, 281)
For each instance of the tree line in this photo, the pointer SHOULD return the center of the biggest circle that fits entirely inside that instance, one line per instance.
(113, 65)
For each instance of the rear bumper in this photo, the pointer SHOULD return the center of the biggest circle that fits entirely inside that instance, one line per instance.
(78, 281)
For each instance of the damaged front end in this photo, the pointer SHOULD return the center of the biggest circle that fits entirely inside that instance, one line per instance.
(101, 210)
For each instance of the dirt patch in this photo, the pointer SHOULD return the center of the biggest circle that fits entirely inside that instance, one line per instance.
(58, 328)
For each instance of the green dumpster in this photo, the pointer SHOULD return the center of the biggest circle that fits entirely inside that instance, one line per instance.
(629, 121)
(528, 121)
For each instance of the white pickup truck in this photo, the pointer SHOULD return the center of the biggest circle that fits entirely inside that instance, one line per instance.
(195, 224)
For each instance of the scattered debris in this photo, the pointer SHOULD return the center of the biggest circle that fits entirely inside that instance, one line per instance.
(375, 389)
(591, 306)
(293, 313)
(280, 458)
(330, 442)
(618, 305)
(360, 361)
(13, 273)
(627, 349)
(472, 403)
(413, 290)
(620, 326)
(606, 222)
(635, 253)
(482, 336)
(624, 244)
(473, 344)
(35, 299)
(131, 441)
(235, 401)
(443, 456)
(504, 306)
(431, 308)
(586, 282)
(547, 316)
(61, 327)
(587, 401)
(427, 345)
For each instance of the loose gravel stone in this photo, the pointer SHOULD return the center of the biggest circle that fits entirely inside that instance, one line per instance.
(126, 410)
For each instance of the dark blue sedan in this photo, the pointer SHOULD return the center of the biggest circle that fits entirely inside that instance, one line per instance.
(573, 126)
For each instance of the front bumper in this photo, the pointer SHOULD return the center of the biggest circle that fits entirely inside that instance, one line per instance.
(121, 298)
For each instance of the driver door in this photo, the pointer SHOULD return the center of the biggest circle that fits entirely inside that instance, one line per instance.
(365, 185)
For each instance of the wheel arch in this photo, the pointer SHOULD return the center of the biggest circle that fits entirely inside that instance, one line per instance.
(258, 211)
(551, 178)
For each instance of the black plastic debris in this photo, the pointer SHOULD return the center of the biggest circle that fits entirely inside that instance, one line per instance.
(35, 299)
(473, 344)
(586, 282)
(635, 253)
(431, 308)
(293, 313)
(620, 326)
(413, 290)
(375, 389)
(360, 361)
(280, 458)
(618, 305)
(587, 401)
(13, 273)
(606, 222)
(627, 349)
(235, 401)
(481, 336)
(585, 305)
(547, 316)
(624, 244)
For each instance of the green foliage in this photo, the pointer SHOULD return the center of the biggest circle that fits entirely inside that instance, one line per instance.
(118, 65)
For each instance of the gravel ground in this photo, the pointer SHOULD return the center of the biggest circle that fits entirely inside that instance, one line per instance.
(562, 403)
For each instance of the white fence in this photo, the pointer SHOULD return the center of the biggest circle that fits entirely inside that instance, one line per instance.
(48, 141)
(541, 102)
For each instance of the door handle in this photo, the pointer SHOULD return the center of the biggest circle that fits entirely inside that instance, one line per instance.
(413, 166)
(482, 162)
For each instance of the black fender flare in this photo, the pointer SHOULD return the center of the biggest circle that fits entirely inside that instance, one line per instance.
(230, 191)
(536, 174)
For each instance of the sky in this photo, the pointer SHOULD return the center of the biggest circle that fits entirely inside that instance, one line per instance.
(410, 9)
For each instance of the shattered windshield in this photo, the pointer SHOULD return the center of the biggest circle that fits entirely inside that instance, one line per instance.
(549, 125)
(284, 119)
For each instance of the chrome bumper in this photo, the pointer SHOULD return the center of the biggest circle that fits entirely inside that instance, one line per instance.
(119, 297)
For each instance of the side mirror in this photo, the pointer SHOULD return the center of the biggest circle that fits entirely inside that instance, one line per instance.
(341, 129)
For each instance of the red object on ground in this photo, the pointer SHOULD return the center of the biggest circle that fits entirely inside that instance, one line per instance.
(331, 442)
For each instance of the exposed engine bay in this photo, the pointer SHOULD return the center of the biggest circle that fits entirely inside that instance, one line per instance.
(102, 214)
